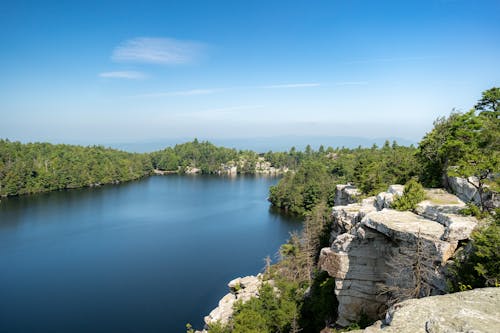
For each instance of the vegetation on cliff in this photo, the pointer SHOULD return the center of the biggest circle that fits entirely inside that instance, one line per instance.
(370, 169)
(412, 195)
(465, 145)
(479, 265)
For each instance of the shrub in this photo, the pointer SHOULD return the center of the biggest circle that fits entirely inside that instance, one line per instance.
(481, 266)
(473, 210)
(412, 195)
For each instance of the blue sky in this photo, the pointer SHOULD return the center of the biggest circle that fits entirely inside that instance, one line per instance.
(134, 71)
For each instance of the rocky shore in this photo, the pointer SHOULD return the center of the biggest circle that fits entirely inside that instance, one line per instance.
(240, 289)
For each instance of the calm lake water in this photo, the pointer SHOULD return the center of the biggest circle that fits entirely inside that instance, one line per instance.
(146, 256)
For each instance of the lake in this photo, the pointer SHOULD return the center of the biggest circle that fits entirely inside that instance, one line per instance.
(145, 256)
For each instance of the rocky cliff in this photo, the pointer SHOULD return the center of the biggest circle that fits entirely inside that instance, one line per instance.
(373, 249)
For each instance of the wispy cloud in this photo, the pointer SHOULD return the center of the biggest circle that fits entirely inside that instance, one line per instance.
(131, 75)
(351, 83)
(165, 51)
(191, 92)
(292, 85)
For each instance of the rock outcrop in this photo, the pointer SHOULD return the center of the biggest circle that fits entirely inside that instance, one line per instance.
(370, 242)
(466, 190)
(385, 199)
(475, 310)
(241, 289)
(346, 194)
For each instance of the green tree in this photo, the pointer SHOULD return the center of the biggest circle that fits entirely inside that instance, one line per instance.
(412, 195)
(464, 145)
(489, 104)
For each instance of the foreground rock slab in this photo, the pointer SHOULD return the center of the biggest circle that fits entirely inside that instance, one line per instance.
(475, 311)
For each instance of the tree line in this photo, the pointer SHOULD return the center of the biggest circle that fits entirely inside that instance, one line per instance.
(41, 167)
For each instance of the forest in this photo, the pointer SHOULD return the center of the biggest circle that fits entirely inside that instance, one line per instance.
(41, 167)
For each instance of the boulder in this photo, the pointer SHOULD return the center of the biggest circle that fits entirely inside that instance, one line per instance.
(464, 188)
(384, 200)
(396, 189)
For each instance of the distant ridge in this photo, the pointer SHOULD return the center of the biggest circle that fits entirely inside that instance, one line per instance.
(264, 144)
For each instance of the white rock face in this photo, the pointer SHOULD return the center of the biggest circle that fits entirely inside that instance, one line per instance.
(346, 194)
(241, 288)
(385, 199)
(463, 189)
(471, 311)
(396, 189)
(444, 208)
(367, 237)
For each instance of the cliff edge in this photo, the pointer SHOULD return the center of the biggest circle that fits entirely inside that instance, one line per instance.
(375, 251)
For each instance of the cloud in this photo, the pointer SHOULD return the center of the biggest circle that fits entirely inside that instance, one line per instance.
(191, 92)
(131, 75)
(291, 85)
(164, 51)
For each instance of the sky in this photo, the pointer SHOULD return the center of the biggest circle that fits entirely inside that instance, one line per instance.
(104, 71)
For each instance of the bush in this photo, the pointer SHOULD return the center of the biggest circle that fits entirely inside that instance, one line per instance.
(412, 195)
(271, 312)
(473, 210)
(481, 266)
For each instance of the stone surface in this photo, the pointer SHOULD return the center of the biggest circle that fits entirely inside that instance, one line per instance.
(346, 194)
(444, 208)
(475, 310)
(241, 288)
(403, 226)
(385, 199)
(463, 189)
(396, 189)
